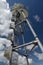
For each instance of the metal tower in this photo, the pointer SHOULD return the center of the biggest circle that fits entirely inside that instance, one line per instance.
(19, 21)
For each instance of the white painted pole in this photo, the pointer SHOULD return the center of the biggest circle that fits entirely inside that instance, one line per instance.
(26, 44)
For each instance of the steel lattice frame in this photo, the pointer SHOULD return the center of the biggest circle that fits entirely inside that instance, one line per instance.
(14, 46)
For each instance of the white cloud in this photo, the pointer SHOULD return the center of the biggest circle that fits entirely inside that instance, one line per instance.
(37, 18)
(4, 0)
(22, 60)
(29, 46)
(3, 59)
(39, 55)
(4, 41)
(30, 61)
(1, 53)
(1, 47)
(5, 20)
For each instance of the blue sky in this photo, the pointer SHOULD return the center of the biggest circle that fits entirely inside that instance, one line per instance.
(35, 9)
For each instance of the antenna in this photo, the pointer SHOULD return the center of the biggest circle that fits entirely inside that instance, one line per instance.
(19, 17)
